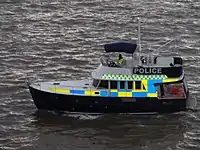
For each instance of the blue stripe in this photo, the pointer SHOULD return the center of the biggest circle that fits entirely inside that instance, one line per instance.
(139, 94)
(103, 93)
(122, 90)
(77, 92)
(128, 90)
(151, 87)
(113, 94)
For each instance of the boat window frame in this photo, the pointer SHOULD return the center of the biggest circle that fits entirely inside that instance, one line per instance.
(111, 84)
(96, 85)
(124, 85)
(131, 83)
(141, 88)
(104, 87)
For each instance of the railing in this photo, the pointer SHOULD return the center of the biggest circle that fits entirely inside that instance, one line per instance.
(103, 61)
(173, 47)
(148, 61)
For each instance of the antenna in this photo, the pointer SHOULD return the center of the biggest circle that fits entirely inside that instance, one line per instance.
(139, 42)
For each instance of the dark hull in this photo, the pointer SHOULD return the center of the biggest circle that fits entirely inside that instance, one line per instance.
(71, 103)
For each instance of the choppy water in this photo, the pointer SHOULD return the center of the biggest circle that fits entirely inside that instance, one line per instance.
(62, 39)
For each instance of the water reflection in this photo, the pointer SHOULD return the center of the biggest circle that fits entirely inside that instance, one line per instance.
(113, 131)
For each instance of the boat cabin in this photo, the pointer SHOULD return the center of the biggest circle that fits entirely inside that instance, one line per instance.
(138, 88)
(141, 75)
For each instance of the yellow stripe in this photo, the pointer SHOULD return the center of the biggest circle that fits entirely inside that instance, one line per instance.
(152, 95)
(129, 94)
(114, 90)
(87, 92)
(60, 90)
(92, 92)
(141, 90)
(144, 83)
(121, 94)
(124, 94)
(170, 80)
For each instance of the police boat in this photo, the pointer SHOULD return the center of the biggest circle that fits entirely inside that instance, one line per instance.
(140, 83)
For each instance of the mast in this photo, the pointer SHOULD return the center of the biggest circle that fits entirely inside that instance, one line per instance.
(139, 42)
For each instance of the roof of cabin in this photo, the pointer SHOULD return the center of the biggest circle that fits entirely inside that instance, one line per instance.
(126, 47)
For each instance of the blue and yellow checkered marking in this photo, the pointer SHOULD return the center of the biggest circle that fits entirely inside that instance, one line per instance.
(112, 93)
(148, 82)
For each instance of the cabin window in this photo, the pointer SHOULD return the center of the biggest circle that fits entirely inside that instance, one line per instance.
(122, 84)
(138, 85)
(103, 84)
(178, 60)
(95, 83)
(169, 91)
(113, 84)
(130, 85)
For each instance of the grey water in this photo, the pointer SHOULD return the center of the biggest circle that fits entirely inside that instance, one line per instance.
(62, 39)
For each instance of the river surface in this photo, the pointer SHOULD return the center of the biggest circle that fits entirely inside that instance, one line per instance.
(62, 39)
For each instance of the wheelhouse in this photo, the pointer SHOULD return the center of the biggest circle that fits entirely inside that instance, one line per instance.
(171, 90)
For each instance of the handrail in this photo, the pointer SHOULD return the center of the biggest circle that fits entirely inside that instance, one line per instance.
(172, 40)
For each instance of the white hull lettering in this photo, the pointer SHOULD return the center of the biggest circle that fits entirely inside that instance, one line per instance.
(147, 71)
